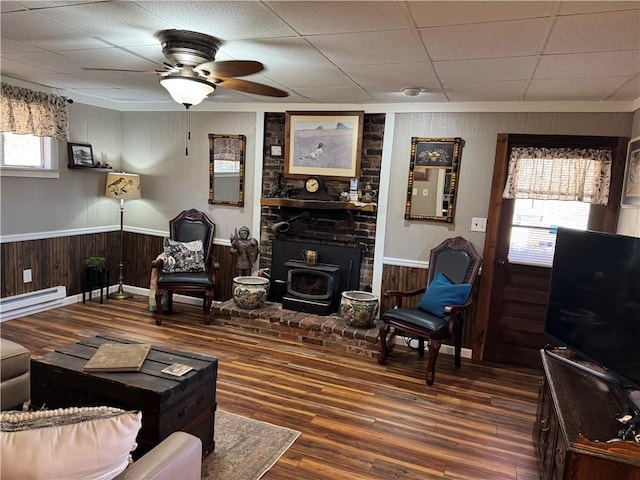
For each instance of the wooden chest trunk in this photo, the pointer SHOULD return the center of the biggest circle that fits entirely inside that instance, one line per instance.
(168, 403)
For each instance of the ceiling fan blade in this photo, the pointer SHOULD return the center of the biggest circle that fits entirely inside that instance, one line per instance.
(251, 87)
(230, 68)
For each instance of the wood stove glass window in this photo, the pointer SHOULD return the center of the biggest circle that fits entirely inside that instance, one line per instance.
(310, 284)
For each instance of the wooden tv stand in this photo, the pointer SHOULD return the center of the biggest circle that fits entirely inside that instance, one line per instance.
(575, 420)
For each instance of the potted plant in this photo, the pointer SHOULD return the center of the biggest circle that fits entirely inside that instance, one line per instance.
(95, 269)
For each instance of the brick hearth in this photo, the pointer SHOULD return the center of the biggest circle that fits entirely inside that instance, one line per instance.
(327, 331)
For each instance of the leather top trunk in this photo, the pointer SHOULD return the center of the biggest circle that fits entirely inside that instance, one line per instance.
(168, 403)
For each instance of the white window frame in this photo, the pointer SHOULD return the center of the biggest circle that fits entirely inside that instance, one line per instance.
(48, 157)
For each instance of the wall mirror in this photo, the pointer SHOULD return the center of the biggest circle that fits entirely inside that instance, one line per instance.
(433, 179)
(226, 169)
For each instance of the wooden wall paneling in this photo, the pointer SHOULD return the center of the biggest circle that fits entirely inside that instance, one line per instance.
(225, 275)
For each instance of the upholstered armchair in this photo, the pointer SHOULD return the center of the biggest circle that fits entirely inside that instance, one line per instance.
(187, 264)
(453, 266)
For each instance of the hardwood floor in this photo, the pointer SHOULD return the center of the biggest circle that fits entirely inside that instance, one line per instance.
(359, 420)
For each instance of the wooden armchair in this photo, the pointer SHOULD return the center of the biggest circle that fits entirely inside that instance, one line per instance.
(188, 226)
(459, 262)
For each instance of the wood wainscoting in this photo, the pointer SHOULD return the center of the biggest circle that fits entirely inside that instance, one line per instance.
(58, 261)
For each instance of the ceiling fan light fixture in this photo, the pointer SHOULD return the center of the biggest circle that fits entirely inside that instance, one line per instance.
(186, 90)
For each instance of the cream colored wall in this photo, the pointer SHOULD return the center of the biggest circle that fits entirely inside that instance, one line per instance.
(76, 200)
(153, 145)
(413, 240)
(629, 218)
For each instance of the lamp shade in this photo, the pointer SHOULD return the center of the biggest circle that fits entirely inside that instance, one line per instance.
(124, 186)
(187, 90)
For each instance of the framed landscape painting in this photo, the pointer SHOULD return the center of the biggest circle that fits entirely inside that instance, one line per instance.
(328, 144)
(80, 155)
(631, 186)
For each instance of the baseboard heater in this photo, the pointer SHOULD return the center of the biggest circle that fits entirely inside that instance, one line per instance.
(31, 302)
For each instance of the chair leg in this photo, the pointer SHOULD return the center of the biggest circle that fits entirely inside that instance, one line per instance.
(159, 294)
(457, 346)
(384, 348)
(420, 347)
(434, 348)
(208, 299)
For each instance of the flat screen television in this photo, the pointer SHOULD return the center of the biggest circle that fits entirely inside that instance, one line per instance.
(594, 301)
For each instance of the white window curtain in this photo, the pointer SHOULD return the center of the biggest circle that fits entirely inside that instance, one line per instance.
(559, 174)
(29, 112)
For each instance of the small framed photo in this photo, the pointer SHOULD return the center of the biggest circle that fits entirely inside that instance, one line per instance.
(80, 155)
(276, 151)
(631, 186)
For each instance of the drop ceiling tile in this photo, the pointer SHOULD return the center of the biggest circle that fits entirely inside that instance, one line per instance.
(393, 77)
(570, 8)
(50, 61)
(226, 20)
(34, 29)
(518, 38)
(11, 46)
(6, 6)
(310, 77)
(601, 64)
(595, 33)
(117, 23)
(274, 53)
(507, 91)
(398, 46)
(110, 58)
(334, 95)
(432, 14)
(630, 90)
(519, 68)
(61, 80)
(12, 67)
(313, 18)
(573, 89)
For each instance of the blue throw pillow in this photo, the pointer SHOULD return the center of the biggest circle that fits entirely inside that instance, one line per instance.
(442, 293)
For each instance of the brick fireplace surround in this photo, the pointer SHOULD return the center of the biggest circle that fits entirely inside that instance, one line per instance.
(331, 228)
(326, 331)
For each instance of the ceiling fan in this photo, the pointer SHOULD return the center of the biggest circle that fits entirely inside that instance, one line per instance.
(192, 73)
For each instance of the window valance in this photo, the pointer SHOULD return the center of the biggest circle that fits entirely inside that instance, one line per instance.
(26, 111)
(559, 174)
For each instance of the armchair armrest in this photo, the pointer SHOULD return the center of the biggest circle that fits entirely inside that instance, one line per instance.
(158, 263)
(399, 295)
(177, 456)
(453, 311)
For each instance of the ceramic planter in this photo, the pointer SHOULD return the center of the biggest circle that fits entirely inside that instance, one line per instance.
(359, 309)
(250, 292)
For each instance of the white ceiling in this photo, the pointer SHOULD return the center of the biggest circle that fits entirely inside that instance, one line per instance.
(352, 52)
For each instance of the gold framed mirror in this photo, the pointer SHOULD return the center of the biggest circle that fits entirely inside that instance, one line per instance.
(433, 179)
(226, 169)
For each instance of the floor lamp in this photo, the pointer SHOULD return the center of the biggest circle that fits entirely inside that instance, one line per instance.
(122, 186)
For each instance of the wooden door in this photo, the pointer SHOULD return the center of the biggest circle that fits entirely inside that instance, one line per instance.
(509, 326)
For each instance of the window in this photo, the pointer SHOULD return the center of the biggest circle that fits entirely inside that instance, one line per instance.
(534, 227)
(28, 156)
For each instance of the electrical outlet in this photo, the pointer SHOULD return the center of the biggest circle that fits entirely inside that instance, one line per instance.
(26, 275)
(425, 192)
(478, 224)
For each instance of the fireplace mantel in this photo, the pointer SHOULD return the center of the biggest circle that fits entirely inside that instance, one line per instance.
(316, 204)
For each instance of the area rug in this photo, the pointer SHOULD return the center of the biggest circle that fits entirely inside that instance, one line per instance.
(245, 448)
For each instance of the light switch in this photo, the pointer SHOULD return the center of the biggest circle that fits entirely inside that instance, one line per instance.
(478, 224)
(414, 192)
